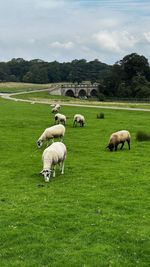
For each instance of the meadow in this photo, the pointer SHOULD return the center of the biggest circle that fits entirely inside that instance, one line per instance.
(15, 87)
(96, 214)
(45, 96)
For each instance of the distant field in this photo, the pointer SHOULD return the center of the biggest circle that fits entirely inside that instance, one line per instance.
(46, 96)
(13, 87)
(96, 214)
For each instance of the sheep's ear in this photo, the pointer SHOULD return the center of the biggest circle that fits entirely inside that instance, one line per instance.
(41, 172)
(107, 146)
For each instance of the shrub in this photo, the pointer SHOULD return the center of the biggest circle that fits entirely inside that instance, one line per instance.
(142, 136)
(100, 116)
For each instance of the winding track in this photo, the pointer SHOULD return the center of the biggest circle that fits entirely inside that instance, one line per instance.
(11, 96)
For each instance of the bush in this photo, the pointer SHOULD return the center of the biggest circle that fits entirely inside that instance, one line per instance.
(101, 97)
(100, 116)
(142, 136)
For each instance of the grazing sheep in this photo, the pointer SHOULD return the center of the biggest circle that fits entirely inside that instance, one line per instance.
(119, 138)
(56, 108)
(51, 133)
(53, 155)
(78, 119)
(60, 118)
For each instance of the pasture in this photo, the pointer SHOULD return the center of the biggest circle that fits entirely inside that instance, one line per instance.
(96, 214)
(15, 87)
(45, 96)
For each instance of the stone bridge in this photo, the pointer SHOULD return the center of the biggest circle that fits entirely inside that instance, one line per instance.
(79, 90)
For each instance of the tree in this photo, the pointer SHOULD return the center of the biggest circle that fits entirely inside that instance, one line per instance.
(18, 67)
(28, 77)
(134, 65)
(4, 72)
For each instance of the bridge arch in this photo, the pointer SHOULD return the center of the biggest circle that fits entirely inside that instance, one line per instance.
(79, 90)
(82, 93)
(70, 93)
(94, 93)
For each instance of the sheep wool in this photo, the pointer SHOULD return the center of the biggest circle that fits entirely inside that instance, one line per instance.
(117, 138)
(53, 155)
(56, 131)
(60, 118)
(78, 118)
(56, 108)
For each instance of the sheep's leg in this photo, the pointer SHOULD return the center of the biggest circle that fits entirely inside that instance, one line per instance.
(61, 139)
(116, 147)
(48, 143)
(122, 145)
(128, 144)
(54, 168)
(62, 167)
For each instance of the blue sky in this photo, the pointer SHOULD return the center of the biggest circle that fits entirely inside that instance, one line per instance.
(65, 30)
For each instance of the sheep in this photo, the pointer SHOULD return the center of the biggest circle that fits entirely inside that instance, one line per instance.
(56, 108)
(119, 138)
(53, 155)
(78, 118)
(51, 133)
(60, 118)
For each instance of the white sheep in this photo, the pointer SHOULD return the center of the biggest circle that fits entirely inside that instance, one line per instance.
(78, 118)
(51, 133)
(60, 118)
(53, 155)
(119, 138)
(56, 108)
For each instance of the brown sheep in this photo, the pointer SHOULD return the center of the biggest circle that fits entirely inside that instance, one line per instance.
(119, 138)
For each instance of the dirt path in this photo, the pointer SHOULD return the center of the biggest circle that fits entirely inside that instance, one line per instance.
(11, 96)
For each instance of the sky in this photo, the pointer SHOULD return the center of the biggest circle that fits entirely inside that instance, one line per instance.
(64, 30)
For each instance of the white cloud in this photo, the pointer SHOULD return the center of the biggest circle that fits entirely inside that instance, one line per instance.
(49, 4)
(31, 41)
(107, 41)
(57, 44)
(147, 36)
(115, 41)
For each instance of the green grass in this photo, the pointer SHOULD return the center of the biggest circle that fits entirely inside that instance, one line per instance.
(46, 96)
(14, 87)
(96, 214)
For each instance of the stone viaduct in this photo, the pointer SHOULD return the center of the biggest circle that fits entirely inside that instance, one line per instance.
(79, 90)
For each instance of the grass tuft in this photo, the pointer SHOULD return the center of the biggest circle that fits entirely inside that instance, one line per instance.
(100, 115)
(142, 136)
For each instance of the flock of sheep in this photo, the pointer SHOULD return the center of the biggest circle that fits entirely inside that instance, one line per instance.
(55, 154)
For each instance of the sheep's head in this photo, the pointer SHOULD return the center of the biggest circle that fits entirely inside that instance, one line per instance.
(111, 147)
(39, 143)
(47, 174)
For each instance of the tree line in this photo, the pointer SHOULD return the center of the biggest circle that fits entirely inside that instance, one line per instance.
(127, 78)
(39, 71)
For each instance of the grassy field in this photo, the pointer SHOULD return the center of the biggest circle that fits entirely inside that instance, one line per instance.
(96, 214)
(46, 96)
(14, 87)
